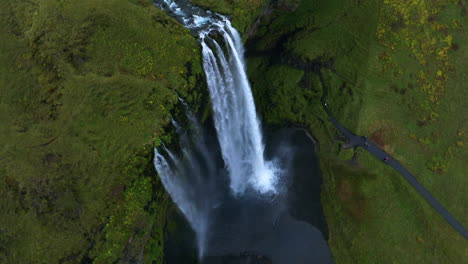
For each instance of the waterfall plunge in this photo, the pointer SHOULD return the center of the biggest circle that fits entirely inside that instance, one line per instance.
(234, 114)
(235, 119)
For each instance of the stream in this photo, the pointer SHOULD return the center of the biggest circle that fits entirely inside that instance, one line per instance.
(245, 197)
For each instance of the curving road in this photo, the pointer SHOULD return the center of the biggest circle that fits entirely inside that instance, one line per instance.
(361, 141)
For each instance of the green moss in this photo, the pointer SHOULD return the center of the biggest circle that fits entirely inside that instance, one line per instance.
(86, 89)
(283, 89)
(138, 214)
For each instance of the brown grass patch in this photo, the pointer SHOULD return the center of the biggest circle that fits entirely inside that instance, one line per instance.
(117, 193)
(352, 201)
(383, 134)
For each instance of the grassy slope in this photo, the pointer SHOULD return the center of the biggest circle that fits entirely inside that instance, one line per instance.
(415, 106)
(397, 77)
(85, 89)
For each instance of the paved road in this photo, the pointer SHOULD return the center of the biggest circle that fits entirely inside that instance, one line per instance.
(361, 141)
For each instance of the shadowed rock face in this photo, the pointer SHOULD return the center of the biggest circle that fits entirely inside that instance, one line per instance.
(286, 228)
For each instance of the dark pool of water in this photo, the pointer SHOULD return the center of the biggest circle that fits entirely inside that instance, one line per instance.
(288, 228)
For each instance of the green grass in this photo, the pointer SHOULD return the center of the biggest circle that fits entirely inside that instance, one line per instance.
(404, 87)
(85, 90)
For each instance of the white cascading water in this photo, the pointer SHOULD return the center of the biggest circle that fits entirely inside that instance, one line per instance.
(176, 185)
(234, 114)
(235, 119)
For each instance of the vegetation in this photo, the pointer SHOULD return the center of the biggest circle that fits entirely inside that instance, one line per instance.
(86, 88)
(394, 72)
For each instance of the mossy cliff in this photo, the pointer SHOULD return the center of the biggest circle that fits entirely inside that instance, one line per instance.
(86, 88)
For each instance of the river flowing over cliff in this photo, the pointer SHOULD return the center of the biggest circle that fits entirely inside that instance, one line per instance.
(235, 119)
(244, 184)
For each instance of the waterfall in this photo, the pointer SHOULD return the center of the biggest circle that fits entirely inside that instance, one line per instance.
(172, 177)
(192, 181)
(234, 115)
